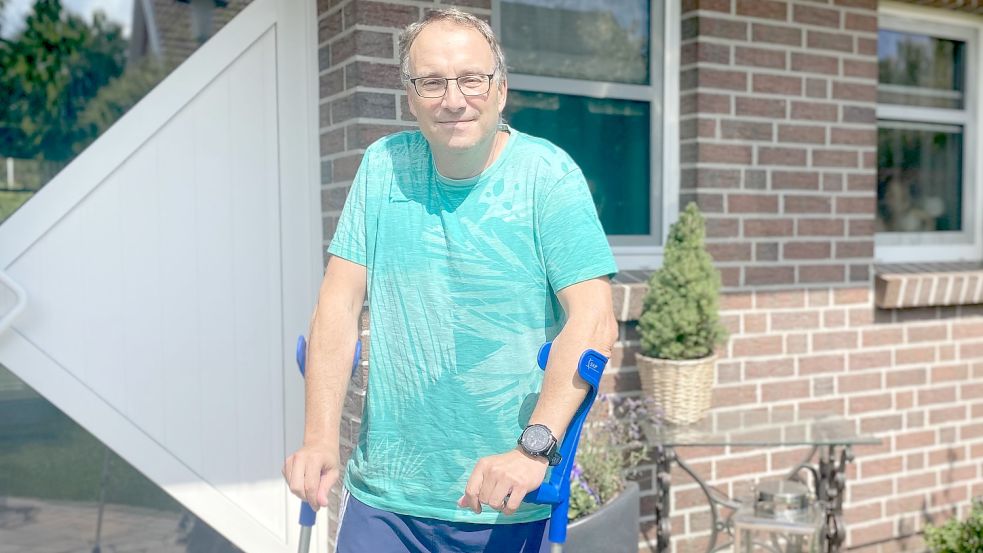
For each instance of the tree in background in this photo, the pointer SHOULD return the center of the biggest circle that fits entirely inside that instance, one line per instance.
(49, 72)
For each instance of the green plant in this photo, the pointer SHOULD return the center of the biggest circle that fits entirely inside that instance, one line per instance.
(613, 444)
(680, 318)
(957, 536)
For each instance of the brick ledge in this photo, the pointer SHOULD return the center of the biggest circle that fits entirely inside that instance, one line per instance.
(927, 285)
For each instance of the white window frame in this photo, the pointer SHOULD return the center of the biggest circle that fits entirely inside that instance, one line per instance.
(636, 252)
(967, 244)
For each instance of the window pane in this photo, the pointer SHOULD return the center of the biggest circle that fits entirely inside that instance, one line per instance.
(56, 480)
(609, 139)
(578, 39)
(919, 177)
(920, 70)
(108, 55)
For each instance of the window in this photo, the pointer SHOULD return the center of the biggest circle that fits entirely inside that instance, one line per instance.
(928, 182)
(590, 76)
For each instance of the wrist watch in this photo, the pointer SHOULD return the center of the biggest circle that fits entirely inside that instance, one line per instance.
(538, 441)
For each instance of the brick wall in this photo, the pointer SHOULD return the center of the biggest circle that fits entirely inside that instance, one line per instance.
(778, 147)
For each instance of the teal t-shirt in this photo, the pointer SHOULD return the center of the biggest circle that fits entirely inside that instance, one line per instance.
(462, 280)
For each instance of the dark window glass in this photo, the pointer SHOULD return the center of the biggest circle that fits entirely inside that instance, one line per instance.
(920, 70)
(919, 177)
(577, 39)
(608, 138)
(61, 489)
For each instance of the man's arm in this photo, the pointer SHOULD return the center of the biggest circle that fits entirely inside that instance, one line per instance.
(590, 324)
(315, 467)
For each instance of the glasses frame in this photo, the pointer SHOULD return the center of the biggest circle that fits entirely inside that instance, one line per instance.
(447, 80)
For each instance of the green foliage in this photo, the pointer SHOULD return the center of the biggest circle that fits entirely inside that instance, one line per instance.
(611, 448)
(48, 73)
(958, 536)
(680, 318)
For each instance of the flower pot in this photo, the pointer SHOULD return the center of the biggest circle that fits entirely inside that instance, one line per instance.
(611, 529)
(681, 388)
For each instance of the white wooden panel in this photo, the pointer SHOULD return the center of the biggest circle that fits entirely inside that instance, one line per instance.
(168, 264)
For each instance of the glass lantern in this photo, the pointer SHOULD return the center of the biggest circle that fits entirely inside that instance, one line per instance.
(783, 518)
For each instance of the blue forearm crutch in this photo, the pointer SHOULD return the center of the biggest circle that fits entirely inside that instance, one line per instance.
(556, 491)
(307, 514)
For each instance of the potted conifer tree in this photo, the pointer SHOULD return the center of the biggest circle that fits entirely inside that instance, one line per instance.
(680, 324)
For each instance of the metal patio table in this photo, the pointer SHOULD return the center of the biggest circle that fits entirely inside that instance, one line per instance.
(830, 437)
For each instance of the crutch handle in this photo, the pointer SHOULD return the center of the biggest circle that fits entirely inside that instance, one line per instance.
(308, 516)
(556, 490)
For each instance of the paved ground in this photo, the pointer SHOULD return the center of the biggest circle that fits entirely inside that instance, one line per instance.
(43, 526)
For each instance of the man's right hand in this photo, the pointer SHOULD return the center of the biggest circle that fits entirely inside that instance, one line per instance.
(311, 472)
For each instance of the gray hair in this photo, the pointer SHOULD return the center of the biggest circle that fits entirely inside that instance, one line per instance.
(456, 16)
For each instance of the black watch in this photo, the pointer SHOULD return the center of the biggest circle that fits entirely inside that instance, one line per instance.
(537, 440)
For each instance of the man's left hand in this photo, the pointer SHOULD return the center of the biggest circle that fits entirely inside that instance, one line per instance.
(502, 481)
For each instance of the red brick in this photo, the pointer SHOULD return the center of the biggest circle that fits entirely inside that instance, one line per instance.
(711, 27)
(851, 383)
(962, 330)
(761, 107)
(881, 531)
(795, 320)
(757, 346)
(781, 156)
(861, 137)
(382, 14)
(915, 355)
(704, 103)
(705, 52)
(816, 364)
(856, 514)
(859, 22)
(819, 227)
(866, 46)
(751, 203)
(794, 180)
(728, 396)
(865, 404)
(759, 57)
(723, 153)
(861, 69)
(947, 414)
(855, 205)
(767, 227)
(872, 468)
(740, 466)
(806, 134)
(813, 111)
(829, 41)
(855, 249)
(882, 337)
(822, 341)
(884, 423)
(779, 391)
(861, 491)
(777, 84)
(910, 483)
(810, 205)
(863, 360)
(854, 92)
(969, 391)
(767, 9)
(745, 130)
(821, 273)
(780, 299)
(971, 351)
(816, 16)
(834, 158)
(776, 34)
(814, 63)
(769, 369)
(710, 5)
(859, 114)
(817, 88)
(903, 378)
(707, 77)
(768, 275)
(915, 440)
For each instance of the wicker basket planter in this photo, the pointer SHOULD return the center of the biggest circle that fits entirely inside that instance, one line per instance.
(681, 388)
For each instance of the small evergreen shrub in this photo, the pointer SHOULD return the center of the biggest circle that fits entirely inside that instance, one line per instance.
(957, 536)
(680, 318)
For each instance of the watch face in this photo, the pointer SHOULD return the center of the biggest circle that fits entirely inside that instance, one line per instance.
(536, 438)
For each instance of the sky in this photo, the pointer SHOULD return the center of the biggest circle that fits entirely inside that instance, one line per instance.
(120, 11)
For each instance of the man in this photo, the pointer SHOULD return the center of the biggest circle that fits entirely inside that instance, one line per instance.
(476, 244)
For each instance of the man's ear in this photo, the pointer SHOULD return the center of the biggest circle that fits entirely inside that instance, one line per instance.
(503, 93)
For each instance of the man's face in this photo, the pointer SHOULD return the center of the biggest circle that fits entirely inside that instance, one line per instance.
(454, 122)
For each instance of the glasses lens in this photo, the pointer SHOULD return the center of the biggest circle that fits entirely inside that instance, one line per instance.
(431, 87)
(473, 85)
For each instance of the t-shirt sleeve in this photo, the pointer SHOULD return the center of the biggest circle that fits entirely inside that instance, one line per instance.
(349, 238)
(575, 247)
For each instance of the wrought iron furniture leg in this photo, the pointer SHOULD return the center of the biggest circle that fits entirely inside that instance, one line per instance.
(664, 456)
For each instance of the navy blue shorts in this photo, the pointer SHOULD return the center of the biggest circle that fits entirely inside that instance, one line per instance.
(365, 529)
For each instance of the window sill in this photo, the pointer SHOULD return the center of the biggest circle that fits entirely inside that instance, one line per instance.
(902, 286)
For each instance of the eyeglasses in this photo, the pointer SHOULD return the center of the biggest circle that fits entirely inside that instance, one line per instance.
(436, 87)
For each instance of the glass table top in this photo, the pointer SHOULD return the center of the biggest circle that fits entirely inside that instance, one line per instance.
(764, 427)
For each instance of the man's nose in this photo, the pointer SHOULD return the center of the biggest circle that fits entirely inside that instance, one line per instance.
(454, 99)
